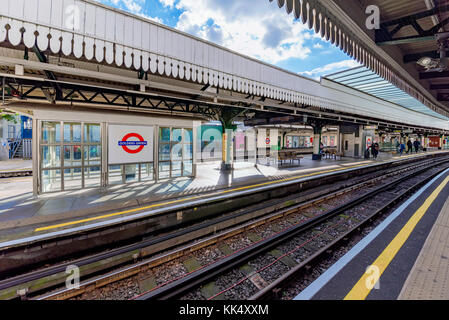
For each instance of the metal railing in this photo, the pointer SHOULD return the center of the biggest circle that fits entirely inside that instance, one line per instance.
(14, 145)
(27, 149)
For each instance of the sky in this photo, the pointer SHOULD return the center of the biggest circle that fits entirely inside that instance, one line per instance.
(257, 28)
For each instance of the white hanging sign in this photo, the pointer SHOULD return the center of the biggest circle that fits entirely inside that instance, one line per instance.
(130, 144)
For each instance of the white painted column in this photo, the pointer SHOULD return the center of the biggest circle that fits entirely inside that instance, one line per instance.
(196, 145)
(36, 156)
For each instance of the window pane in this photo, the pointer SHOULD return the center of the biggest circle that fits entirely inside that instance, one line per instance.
(146, 171)
(188, 136)
(72, 132)
(92, 155)
(176, 152)
(115, 175)
(164, 134)
(164, 170)
(188, 152)
(72, 179)
(51, 132)
(176, 169)
(164, 152)
(51, 156)
(177, 135)
(92, 133)
(51, 180)
(11, 132)
(92, 177)
(188, 168)
(131, 172)
(72, 156)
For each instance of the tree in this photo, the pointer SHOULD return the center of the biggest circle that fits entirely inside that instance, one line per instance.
(8, 116)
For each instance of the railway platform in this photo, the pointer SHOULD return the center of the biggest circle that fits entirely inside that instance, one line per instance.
(405, 257)
(14, 168)
(23, 216)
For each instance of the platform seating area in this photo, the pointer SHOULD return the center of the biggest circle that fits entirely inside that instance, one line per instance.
(332, 153)
(289, 155)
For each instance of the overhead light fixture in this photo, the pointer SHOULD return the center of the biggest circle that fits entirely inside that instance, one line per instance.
(433, 64)
(438, 65)
(250, 115)
(425, 62)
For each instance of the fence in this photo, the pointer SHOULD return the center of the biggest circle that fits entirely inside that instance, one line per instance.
(27, 149)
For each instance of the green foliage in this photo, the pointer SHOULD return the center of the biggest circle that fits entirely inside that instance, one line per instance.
(8, 117)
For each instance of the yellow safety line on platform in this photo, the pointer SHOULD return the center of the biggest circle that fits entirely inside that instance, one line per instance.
(188, 199)
(15, 170)
(364, 286)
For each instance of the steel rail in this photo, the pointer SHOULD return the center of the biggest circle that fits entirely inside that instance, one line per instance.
(193, 280)
(61, 268)
(273, 289)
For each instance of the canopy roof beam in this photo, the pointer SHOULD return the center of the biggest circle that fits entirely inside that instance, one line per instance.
(385, 37)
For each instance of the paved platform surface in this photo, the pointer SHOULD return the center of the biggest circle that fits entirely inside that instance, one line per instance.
(386, 256)
(20, 213)
(429, 278)
(16, 165)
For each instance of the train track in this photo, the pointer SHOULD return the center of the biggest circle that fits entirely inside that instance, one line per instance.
(324, 232)
(17, 173)
(106, 279)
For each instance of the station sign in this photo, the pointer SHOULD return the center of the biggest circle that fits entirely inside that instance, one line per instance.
(369, 142)
(130, 144)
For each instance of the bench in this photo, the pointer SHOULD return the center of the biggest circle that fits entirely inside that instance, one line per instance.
(332, 154)
(289, 155)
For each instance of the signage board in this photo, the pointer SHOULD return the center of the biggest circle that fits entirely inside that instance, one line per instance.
(369, 142)
(130, 144)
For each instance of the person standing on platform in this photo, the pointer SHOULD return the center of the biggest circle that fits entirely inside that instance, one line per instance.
(375, 150)
(401, 148)
(416, 145)
(409, 146)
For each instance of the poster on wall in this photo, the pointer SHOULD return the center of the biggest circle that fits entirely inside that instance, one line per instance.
(369, 142)
(130, 144)
(240, 141)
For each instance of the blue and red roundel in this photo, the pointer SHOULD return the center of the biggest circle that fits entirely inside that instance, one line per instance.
(125, 143)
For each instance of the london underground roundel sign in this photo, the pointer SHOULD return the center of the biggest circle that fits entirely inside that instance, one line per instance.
(130, 144)
(140, 144)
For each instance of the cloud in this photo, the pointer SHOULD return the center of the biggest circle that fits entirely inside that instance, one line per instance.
(167, 3)
(330, 68)
(133, 6)
(260, 30)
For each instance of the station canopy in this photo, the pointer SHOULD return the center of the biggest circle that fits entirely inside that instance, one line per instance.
(365, 80)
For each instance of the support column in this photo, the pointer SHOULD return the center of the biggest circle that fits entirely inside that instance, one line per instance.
(196, 145)
(226, 118)
(426, 142)
(36, 157)
(227, 163)
(283, 140)
(317, 131)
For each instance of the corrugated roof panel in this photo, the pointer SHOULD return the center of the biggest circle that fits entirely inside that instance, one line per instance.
(365, 80)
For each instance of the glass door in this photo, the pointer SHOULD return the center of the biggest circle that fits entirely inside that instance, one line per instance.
(175, 152)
